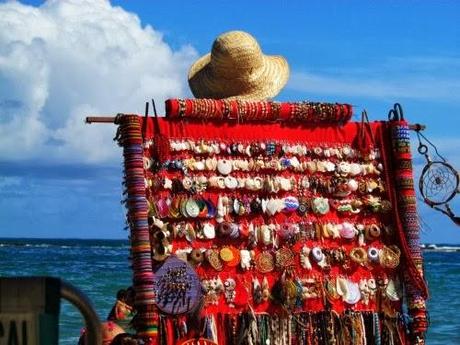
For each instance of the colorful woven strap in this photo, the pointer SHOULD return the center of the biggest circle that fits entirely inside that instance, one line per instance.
(130, 138)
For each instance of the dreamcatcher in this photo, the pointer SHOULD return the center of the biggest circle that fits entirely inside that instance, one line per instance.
(439, 181)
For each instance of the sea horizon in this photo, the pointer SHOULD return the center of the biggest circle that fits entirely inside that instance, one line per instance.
(100, 267)
(127, 240)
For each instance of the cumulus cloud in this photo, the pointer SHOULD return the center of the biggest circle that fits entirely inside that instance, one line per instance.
(68, 59)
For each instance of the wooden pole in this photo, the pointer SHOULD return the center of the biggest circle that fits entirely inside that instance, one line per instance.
(111, 119)
(100, 119)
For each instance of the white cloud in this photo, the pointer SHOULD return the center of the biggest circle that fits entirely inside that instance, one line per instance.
(420, 78)
(68, 59)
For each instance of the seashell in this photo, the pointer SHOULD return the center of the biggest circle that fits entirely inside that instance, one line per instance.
(341, 286)
(224, 166)
(352, 185)
(264, 203)
(230, 182)
(353, 294)
(235, 230)
(245, 259)
(244, 165)
(266, 235)
(333, 230)
(215, 148)
(190, 234)
(295, 163)
(392, 291)
(312, 167)
(202, 179)
(249, 184)
(325, 231)
(199, 165)
(329, 166)
(209, 231)
(209, 164)
(247, 151)
(344, 168)
(220, 182)
(355, 169)
(347, 231)
(346, 151)
(187, 145)
(258, 183)
(272, 206)
(148, 162)
(320, 205)
(167, 183)
(363, 285)
(305, 183)
(304, 260)
(372, 284)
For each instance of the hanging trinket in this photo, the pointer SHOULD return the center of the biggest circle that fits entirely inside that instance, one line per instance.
(245, 259)
(212, 255)
(265, 289)
(304, 258)
(256, 291)
(284, 257)
(265, 262)
(230, 294)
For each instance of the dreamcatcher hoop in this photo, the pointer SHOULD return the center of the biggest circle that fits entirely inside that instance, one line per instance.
(438, 183)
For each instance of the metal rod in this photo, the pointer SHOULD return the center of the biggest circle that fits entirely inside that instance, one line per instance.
(78, 299)
(111, 119)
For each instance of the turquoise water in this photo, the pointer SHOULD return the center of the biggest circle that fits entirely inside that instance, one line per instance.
(101, 267)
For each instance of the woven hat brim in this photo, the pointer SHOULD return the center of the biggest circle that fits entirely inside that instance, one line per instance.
(265, 82)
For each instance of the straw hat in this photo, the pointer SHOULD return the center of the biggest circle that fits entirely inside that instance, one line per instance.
(237, 68)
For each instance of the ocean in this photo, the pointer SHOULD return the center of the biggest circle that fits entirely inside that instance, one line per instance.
(101, 267)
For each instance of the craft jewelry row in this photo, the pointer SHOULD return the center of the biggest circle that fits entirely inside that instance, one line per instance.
(272, 233)
(228, 256)
(227, 166)
(297, 289)
(183, 206)
(333, 185)
(305, 327)
(243, 110)
(270, 148)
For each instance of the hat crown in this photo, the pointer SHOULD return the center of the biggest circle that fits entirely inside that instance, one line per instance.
(235, 50)
(236, 67)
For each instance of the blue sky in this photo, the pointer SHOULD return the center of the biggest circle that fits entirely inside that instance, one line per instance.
(63, 60)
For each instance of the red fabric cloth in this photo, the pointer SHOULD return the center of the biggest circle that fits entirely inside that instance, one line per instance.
(248, 132)
(349, 134)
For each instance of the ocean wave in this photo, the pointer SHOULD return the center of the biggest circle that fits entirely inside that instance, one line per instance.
(61, 246)
(441, 248)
